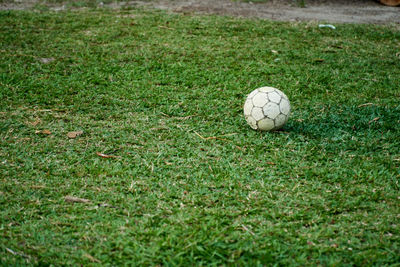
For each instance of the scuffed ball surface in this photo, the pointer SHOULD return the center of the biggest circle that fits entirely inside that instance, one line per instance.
(266, 109)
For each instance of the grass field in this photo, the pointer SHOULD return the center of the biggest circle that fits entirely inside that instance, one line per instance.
(166, 169)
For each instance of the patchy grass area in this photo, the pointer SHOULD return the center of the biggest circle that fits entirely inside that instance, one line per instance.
(166, 170)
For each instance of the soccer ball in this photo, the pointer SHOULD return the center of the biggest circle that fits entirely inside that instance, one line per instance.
(266, 109)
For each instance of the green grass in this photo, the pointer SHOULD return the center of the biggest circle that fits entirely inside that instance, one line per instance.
(143, 86)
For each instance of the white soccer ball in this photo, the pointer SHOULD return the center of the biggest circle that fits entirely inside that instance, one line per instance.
(266, 109)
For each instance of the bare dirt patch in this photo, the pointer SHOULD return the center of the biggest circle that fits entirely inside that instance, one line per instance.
(341, 11)
(334, 11)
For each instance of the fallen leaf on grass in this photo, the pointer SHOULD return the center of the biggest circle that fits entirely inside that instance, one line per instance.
(74, 134)
(90, 257)
(37, 186)
(34, 123)
(164, 27)
(47, 60)
(214, 137)
(184, 118)
(104, 155)
(374, 120)
(364, 105)
(46, 132)
(76, 199)
(17, 253)
(247, 229)
(11, 251)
